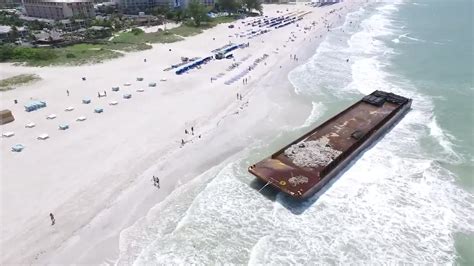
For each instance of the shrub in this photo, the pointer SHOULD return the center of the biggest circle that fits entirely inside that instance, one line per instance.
(34, 54)
(6, 52)
(136, 31)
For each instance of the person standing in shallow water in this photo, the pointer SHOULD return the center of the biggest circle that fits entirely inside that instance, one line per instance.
(53, 221)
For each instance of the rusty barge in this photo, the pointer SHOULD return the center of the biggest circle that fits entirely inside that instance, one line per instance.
(307, 164)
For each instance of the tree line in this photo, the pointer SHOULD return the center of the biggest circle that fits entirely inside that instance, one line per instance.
(198, 11)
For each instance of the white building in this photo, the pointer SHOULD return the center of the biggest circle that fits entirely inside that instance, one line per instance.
(59, 9)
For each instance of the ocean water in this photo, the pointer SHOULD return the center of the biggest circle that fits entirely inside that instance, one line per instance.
(408, 199)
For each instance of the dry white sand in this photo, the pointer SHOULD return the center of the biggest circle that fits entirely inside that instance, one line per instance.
(95, 177)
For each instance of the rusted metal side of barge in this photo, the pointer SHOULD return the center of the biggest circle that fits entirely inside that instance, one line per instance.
(304, 166)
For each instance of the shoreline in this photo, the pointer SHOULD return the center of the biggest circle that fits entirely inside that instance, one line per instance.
(97, 230)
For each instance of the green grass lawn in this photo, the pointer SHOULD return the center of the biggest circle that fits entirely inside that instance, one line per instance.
(9, 83)
(188, 29)
(77, 54)
(143, 38)
(224, 19)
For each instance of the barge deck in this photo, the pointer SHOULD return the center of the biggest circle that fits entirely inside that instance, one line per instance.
(304, 166)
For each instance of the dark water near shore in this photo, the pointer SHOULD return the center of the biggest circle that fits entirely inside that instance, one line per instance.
(408, 199)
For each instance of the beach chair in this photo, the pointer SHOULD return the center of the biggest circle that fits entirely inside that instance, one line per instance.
(140, 90)
(127, 84)
(34, 105)
(113, 103)
(51, 117)
(163, 79)
(43, 136)
(115, 88)
(30, 125)
(98, 110)
(86, 101)
(139, 79)
(17, 147)
(8, 134)
(81, 118)
(127, 96)
(69, 109)
(152, 84)
(63, 126)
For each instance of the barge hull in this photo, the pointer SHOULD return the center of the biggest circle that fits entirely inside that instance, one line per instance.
(343, 137)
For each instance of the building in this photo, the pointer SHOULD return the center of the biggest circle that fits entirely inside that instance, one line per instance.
(6, 33)
(59, 9)
(105, 7)
(48, 37)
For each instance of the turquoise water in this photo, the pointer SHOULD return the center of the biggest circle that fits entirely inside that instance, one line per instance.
(437, 56)
(440, 63)
(406, 200)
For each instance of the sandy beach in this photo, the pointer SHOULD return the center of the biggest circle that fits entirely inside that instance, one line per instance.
(96, 177)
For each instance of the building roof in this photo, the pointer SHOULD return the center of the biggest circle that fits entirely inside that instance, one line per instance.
(6, 29)
(98, 28)
(44, 36)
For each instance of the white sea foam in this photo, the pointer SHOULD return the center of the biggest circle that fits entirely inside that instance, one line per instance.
(444, 139)
(316, 111)
(406, 36)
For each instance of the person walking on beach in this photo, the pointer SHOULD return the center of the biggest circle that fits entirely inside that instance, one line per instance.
(192, 131)
(67, 91)
(185, 131)
(105, 93)
(98, 94)
(156, 181)
(53, 221)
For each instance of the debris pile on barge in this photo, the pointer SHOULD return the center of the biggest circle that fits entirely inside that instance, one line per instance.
(304, 166)
(312, 153)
